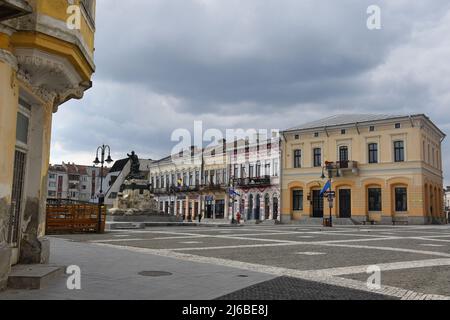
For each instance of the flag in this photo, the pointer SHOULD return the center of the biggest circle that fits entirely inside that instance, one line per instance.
(234, 193)
(326, 187)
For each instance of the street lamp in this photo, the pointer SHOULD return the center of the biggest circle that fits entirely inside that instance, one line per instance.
(101, 198)
(233, 198)
(329, 168)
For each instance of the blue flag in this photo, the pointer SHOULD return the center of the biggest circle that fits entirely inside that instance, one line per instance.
(326, 187)
(234, 193)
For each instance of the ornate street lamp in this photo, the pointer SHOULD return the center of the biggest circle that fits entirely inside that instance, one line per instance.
(101, 197)
(330, 168)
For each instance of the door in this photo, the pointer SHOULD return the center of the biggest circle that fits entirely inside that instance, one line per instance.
(317, 204)
(258, 208)
(275, 208)
(267, 207)
(16, 203)
(209, 210)
(345, 203)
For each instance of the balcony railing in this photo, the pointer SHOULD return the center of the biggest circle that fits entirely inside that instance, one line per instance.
(213, 187)
(343, 166)
(254, 182)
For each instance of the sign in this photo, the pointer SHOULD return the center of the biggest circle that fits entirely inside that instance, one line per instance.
(329, 194)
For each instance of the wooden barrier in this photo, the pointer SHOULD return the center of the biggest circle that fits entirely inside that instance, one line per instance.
(70, 218)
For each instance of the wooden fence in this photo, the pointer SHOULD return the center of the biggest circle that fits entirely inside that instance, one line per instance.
(67, 218)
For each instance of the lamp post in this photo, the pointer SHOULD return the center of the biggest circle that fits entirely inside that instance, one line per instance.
(101, 197)
(233, 198)
(329, 168)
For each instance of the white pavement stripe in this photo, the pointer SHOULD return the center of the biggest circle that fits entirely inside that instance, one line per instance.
(386, 267)
(116, 240)
(431, 253)
(432, 245)
(311, 253)
(281, 272)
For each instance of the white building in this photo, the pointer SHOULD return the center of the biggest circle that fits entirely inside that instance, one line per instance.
(69, 181)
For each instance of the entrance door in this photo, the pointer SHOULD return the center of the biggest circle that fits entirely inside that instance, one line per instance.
(345, 203)
(267, 207)
(317, 200)
(275, 208)
(16, 203)
(209, 210)
(258, 208)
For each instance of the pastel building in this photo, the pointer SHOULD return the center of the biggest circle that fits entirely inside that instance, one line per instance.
(43, 64)
(384, 169)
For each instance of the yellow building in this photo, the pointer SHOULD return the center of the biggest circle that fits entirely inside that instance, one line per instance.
(383, 169)
(46, 59)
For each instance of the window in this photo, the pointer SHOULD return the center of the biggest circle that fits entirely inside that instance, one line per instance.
(373, 153)
(316, 134)
(258, 169)
(343, 131)
(399, 151)
(401, 199)
(374, 199)
(372, 128)
(52, 184)
(343, 154)
(52, 176)
(317, 157)
(267, 169)
(22, 128)
(250, 171)
(297, 159)
(297, 196)
(398, 126)
(297, 137)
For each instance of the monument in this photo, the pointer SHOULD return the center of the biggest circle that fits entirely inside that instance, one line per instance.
(134, 198)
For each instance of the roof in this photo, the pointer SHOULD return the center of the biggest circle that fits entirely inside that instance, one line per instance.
(119, 165)
(344, 119)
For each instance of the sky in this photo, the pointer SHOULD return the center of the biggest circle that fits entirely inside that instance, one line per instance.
(274, 64)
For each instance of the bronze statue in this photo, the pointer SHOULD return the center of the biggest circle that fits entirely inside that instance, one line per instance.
(135, 171)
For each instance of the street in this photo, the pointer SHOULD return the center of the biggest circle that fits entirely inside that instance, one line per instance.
(253, 263)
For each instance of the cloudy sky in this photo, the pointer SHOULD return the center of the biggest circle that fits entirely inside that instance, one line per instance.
(163, 64)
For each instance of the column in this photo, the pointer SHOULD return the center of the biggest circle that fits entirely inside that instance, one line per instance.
(34, 248)
(9, 99)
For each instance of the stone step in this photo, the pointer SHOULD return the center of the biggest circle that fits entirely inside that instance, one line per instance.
(33, 277)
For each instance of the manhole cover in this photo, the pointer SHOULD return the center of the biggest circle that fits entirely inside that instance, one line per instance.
(154, 273)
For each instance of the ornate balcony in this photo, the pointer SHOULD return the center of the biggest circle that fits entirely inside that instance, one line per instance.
(264, 181)
(213, 187)
(343, 167)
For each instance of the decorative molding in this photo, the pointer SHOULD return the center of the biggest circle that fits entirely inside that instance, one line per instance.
(9, 58)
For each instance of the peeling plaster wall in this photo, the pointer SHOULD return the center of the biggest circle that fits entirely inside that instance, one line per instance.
(8, 116)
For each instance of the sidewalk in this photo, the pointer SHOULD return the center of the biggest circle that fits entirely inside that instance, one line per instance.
(113, 274)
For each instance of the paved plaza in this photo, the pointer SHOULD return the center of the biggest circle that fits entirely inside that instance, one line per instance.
(254, 262)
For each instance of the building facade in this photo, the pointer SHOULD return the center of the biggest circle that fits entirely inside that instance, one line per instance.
(255, 167)
(70, 181)
(43, 63)
(383, 168)
(221, 181)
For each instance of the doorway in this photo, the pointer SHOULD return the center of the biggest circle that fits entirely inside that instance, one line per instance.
(345, 203)
(267, 207)
(275, 208)
(317, 204)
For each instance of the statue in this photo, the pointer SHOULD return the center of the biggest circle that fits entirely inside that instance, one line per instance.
(135, 172)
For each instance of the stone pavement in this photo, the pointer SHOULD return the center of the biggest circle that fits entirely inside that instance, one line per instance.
(255, 262)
